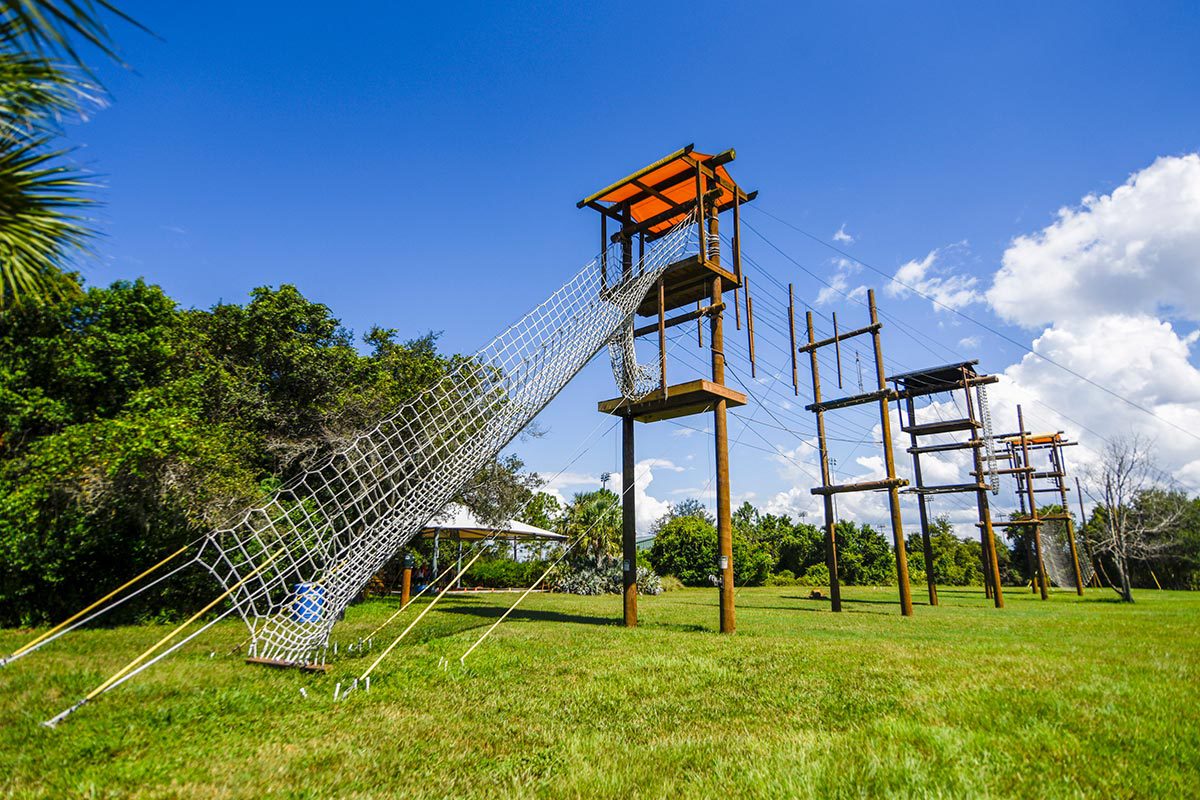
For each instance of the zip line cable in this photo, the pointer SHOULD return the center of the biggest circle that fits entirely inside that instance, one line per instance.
(1026, 348)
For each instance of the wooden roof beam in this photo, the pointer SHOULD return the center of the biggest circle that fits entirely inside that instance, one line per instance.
(641, 173)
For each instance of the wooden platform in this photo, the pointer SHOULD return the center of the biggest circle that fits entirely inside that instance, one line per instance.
(277, 664)
(682, 400)
(685, 283)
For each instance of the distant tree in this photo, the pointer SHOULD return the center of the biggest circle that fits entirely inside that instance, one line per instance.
(542, 510)
(956, 562)
(688, 507)
(1137, 518)
(593, 519)
(500, 491)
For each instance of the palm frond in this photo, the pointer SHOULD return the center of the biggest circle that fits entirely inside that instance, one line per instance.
(48, 27)
(36, 96)
(42, 228)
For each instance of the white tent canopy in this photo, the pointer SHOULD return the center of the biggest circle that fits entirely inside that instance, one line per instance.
(456, 522)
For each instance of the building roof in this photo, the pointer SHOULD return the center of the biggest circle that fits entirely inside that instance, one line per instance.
(457, 522)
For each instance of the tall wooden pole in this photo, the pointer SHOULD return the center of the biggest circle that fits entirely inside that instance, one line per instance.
(987, 534)
(831, 560)
(792, 334)
(926, 543)
(721, 431)
(1033, 513)
(628, 509)
(1060, 468)
(628, 524)
(405, 585)
(889, 463)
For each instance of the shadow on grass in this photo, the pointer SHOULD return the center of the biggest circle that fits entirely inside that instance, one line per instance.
(532, 615)
(490, 612)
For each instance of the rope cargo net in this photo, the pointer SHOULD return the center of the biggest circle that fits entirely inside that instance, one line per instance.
(291, 566)
(1056, 555)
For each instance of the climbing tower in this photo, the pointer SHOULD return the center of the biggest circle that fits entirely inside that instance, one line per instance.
(639, 209)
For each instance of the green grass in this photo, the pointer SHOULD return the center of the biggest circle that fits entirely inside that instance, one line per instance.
(1066, 698)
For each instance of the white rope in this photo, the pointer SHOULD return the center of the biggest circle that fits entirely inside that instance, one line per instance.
(339, 523)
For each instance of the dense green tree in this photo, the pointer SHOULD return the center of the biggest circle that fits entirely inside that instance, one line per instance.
(129, 426)
(686, 547)
(956, 562)
(592, 520)
(542, 510)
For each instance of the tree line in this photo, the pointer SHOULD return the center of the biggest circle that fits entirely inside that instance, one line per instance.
(130, 426)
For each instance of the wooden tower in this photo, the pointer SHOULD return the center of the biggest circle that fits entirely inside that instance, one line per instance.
(645, 206)
(949, 379)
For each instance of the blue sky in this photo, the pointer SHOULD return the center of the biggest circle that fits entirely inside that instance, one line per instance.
(418, 167)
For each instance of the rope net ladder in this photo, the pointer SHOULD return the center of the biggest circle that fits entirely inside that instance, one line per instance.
(331, 529)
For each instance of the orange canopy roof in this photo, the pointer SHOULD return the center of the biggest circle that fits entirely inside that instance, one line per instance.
(661, 187)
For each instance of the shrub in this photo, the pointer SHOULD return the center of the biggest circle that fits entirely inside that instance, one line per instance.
(670, 583)
(686, 547)
(782, 578)
(589, 579)
(816, 575)
(503, 573)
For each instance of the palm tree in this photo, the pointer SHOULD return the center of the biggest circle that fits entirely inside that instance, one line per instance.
(44, 82)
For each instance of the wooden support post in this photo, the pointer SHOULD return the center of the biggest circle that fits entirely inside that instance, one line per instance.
(458, 576)
(837, 351)
(750, 324)
(987, 534)
(737, 310)
(721, 436)
(792, 334)
(405, 586)
(831, 561)
(700, 218)
(1033, 512)
(603, 252)
(662, 339)
(737, 240)
(699, 324)
(1060, 467)
(628, 524)
(889, 463)
(922, 503)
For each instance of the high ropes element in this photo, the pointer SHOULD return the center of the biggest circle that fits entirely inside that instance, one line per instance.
(340, 523)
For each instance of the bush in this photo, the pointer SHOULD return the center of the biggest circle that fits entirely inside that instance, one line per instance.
(589, 579)
(670, 583)
(782, 578)
(686, 547)
(503, 573)
(816, 575)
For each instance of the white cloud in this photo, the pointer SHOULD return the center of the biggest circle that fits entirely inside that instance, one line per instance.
(1134, 251)
(839, 288)
(841, 236)
(1111, 280)
(648, 509)
(947, 288)
(968, 343)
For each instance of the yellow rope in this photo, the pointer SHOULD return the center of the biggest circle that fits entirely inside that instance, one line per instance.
(125, 669)
(99, 602)
(411, 600)
(424, 611)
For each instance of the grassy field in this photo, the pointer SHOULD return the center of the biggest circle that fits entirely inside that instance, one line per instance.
(1066, 698)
